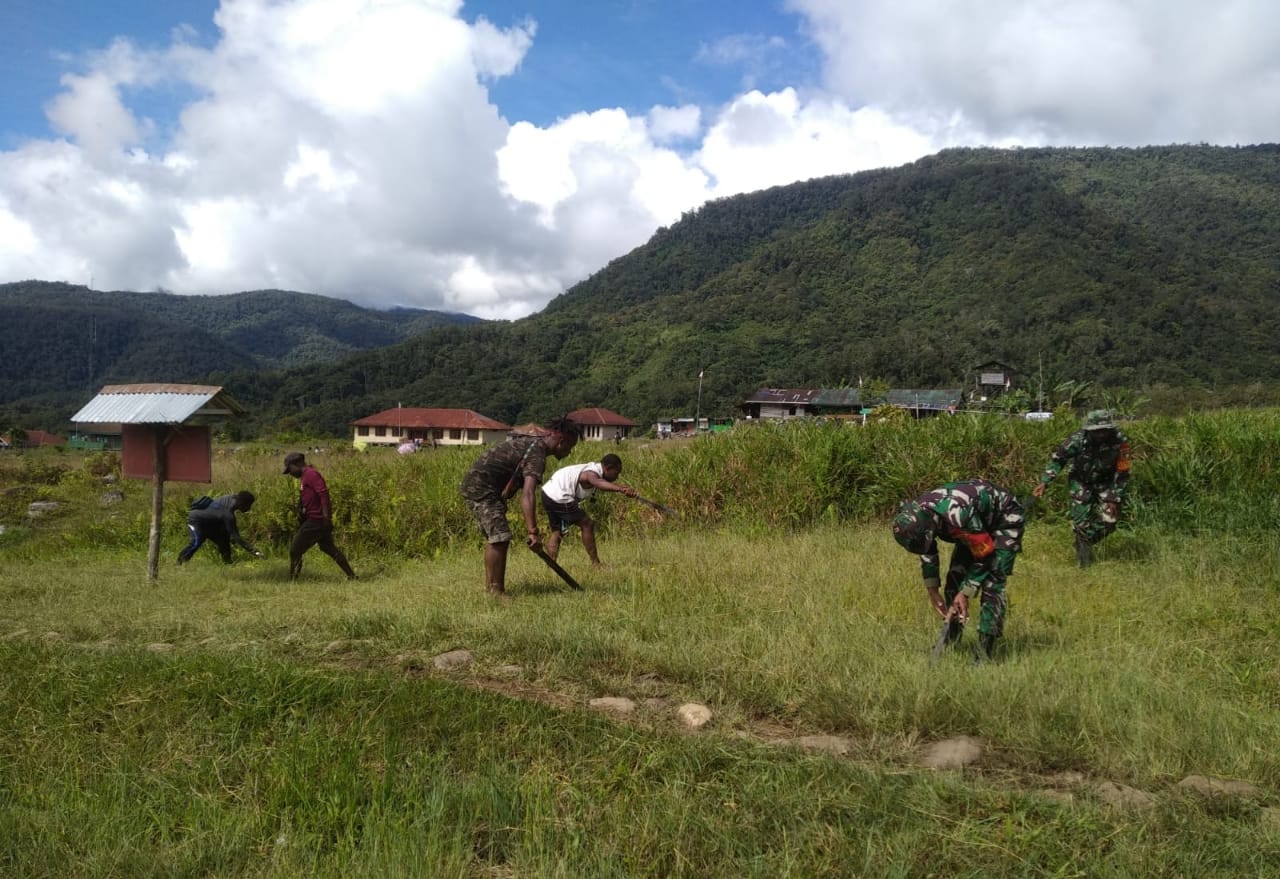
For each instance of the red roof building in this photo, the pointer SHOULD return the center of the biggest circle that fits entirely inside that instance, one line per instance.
(601, 424)
(427, 427)
(33, 439)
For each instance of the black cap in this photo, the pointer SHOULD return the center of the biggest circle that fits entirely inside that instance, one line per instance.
(293, 458)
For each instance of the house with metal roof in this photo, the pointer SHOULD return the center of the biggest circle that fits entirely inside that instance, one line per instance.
(601, 424)
(779, 403)
(444, 427)
(784, 403)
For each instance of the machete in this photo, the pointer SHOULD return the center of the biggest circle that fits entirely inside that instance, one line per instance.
(941, 644)
(555, 566)
(666, 511)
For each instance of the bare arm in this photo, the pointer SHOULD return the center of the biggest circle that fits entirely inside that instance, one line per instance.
(594, 480)
(529, 507)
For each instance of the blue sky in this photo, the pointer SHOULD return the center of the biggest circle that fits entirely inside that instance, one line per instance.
(631, 54)
(484, 156)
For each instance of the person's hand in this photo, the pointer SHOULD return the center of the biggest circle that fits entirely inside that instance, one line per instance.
(629, 491)
(1112, 510)
(1038, 491)
(960, 608)
(534, 541)
(935, 598)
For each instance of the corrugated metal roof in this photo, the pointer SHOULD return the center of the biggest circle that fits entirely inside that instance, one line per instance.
(838, 398)
(442, 419)
(156, 404)
(782, 395)
(932, 398)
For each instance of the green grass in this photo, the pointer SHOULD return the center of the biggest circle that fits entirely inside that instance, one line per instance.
(227, 722)
(296, 729)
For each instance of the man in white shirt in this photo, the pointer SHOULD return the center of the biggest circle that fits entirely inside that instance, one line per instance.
(568, 487)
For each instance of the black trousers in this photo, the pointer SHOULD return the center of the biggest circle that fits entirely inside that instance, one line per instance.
(213, 532)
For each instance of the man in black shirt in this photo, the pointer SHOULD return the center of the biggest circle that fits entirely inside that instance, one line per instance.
(217, 523)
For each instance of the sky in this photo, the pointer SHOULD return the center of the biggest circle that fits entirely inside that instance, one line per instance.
(484, 156)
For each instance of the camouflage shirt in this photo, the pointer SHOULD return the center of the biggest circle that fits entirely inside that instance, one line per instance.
(492, 471)
(969, 512)
(1098, 458)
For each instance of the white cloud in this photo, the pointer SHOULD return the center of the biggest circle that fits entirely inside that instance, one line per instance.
(740, 48)
(668, 124)
(766, 140)
(1072, 71)
(350, 147)
(90, 111)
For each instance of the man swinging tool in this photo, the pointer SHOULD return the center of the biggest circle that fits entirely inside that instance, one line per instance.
(985, 523)
(564, 492)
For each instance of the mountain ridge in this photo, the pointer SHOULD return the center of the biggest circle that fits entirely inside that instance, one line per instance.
(1139, 268)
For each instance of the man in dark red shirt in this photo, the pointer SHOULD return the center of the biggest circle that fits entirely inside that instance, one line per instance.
(317, 517)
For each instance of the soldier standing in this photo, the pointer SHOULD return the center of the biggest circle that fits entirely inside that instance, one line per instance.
(1099, 457)
(985, 522)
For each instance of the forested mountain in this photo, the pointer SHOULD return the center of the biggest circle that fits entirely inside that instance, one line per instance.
(1124, 267)
(60, 338)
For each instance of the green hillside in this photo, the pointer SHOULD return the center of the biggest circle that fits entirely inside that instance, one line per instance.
(1147, 269)
(61, 338)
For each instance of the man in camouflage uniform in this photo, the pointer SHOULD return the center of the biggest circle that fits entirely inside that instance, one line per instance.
(513, 466)
(985, 522)
(1099, 458)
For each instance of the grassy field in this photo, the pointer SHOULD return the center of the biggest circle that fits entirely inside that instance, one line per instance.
(227, 722)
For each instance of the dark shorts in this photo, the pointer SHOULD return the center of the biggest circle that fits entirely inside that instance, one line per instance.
(491, 515)
(563, 516)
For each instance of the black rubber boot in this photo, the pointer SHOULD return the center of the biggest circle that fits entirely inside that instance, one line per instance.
(986, 648)
(1084, 552)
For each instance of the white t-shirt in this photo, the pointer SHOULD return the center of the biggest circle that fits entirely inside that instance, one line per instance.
(563, 487)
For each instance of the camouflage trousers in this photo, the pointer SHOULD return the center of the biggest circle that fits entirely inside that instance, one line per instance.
(995, 604)
(1090, 518)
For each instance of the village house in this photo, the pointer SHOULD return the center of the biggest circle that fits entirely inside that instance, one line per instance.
(786, 403)
(599, 424)
(427, 427)
(775, 403)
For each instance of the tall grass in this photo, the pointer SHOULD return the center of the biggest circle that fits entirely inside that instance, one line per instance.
(1197, 475)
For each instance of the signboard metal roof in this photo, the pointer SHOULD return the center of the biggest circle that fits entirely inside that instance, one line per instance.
(157, 404)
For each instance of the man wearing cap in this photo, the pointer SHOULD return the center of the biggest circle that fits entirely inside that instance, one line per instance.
(1099, 457)
(317, 517)
(985, 522)
(216, 523)
(513, 466)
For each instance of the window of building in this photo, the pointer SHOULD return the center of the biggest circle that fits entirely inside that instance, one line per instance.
(380, 431)
(473, 436)
(363, 430)
(455, 433)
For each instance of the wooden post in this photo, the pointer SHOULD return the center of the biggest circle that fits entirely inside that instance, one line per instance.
(159, 435)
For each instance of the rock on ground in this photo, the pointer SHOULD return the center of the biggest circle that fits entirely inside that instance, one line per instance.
(694, 715)
(1211, 786)
(955, 753)
(454, 659)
